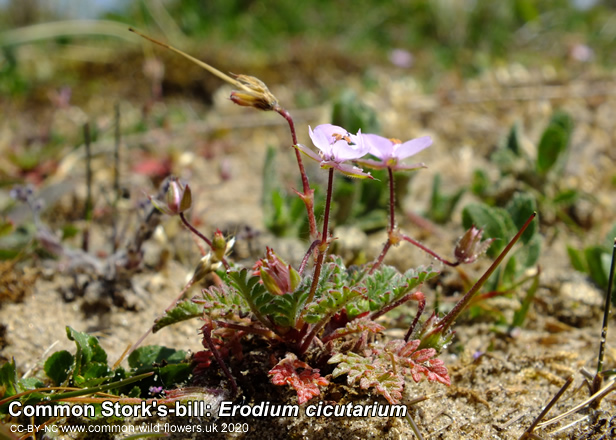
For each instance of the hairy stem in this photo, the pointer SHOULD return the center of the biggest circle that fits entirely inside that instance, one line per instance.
(308, 195)
(392, 222)
(421, 305)
(307, 256)
(322, 247)
(429, 251)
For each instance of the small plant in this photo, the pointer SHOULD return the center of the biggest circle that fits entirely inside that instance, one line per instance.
(319, 320)
(326, 315)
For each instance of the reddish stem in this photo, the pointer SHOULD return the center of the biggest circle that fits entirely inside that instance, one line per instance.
(379, 260)
(429, 251)
(392, 200)
(202, 237)
(392, 222)
(322, 247)
(307, 256)
(308, 196)
(421, 304)
(207, 337)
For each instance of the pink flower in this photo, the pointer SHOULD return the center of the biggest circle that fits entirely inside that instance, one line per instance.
(336, 145)
(391, 151)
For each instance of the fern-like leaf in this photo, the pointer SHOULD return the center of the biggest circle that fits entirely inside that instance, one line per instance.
(306, 382)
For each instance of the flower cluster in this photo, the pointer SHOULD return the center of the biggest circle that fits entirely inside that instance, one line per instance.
(336, 146)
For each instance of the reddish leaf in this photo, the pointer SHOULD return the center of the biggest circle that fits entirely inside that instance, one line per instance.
(306, 383)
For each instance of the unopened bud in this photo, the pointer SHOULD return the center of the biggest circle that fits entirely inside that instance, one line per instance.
(219, 245)
(254, 93)
(178, 199)
(470, 246)
(278, 277)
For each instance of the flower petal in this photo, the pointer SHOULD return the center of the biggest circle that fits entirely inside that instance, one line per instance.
(323, 137)
(414, 146)
(380, 146)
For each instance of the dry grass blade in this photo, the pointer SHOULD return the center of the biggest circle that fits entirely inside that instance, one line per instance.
(529, 432)
(611, 386)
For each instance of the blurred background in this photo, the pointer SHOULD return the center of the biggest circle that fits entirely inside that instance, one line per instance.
(42, 40)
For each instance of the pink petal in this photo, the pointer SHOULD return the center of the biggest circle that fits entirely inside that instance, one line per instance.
(380, 146)
(414, 146)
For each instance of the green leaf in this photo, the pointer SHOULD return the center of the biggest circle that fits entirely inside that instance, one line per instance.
(577, 260)
(567, 197)
(596, 268)
(88, 351)
(144, 357)
(520, 208)
(183, 311)
(8, 378)
(554, 142)
(520, 315)
(170, 366)
(58, 366)
(512, 141)
(528, 255)
(496, 223)
(480, 183)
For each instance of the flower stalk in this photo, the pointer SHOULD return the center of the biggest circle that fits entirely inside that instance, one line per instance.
(447, 321)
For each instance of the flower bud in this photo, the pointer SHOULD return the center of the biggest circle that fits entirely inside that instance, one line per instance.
(178, 198)
(254, 93)
(278, 277)
(219, 245)
(470, 246)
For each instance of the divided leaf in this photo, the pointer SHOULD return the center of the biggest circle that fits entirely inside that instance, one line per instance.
(306, 382)
(182, 311)
(384, 368)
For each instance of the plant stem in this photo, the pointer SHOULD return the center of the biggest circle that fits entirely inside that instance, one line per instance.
(421, 305)
(392, 199)
(606, 315)
(202, 237)
(449, 319)
(207, 337)
(381, 257)
(316, 329)
(308, 195)
(392, 222)
(429, 251)
(529, 432)
(322, 247)
(395, 238)
(307, 256)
